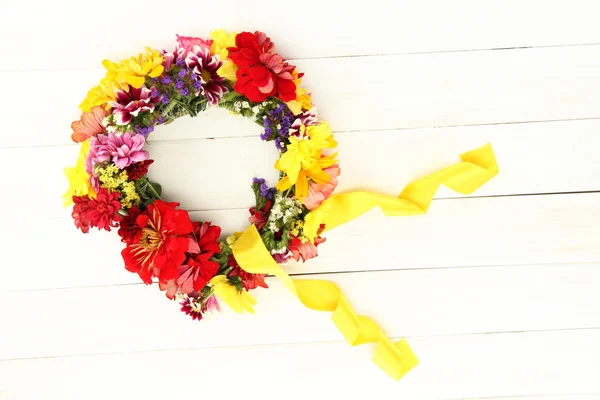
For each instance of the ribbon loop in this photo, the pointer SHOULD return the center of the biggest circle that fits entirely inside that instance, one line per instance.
(396, 359)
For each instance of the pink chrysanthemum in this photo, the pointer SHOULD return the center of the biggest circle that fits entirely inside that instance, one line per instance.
(205, 66)
(130, 104)
(123, 150)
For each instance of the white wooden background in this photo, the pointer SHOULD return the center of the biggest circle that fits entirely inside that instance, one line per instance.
(497, 293)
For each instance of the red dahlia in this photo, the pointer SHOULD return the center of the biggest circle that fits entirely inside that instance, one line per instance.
(137, 170)
(199, 269)
(101, 212)
(129, 229)
(261, 72)
(249, 281)
(160, 248)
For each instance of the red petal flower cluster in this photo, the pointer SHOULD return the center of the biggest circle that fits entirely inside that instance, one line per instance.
(262, 73)
(101, 212)
(198, 269)
(260, 217)
(137, 170)
(249, 281)
(159, 248)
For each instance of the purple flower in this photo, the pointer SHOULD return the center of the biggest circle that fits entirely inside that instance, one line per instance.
(164, 99)
(179, 84)
(122, 150)
(130, 104)
(166, 80)
(205, 66)
(196, 308)
(180, 63)
(184, 92)
(182, 73)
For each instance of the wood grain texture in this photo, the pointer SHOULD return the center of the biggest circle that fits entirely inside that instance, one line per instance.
(455, 232)
(421, 90)
(463, 366)
(216, 174)
(320, 29)
(405, 303)
(497, 294)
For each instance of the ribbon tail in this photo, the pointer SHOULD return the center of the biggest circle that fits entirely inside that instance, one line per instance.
(475, 169)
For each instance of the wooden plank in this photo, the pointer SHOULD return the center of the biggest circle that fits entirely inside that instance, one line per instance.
(216, 174)
(380, 28)
(458, 232)
(452, 367)
(420, 91)
(405, 303)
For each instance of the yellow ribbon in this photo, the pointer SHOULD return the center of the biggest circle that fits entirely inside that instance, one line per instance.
(396, 359)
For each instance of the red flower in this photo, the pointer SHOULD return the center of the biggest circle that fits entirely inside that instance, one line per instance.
(249, 281)
(262, 73)
(137, 170)
(101, 212)
(130, 230)
(160, 248)
(198, 269)
(260, 217)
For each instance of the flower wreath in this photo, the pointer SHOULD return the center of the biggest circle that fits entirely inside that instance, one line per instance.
(109, 187)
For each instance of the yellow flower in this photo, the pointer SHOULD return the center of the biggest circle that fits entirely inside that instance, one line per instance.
(304, 159)
(302, 100)
(101, 94)
(239, 301)
(130, 195)
(79, 180)
(221, 41)
(135, 69)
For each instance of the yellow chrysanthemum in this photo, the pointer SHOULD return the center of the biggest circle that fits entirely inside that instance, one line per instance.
(101, 94)
(221, 41)
(304, 159)
(302, 100)
(134, 70)
(79, 180)
(239, 301)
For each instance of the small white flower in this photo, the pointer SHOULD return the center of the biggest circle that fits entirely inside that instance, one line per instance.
(245, 104)
(113, 129)
(255, 109)
(237, 104)
(273, 227)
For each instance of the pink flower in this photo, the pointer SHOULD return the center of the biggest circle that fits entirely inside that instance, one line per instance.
(318, 193)
(123, 150)
(188, 42)
(131, 104)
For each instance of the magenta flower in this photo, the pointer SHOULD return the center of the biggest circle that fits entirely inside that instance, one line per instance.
(205, 67)
(306, 118)
(130, 104)
(123, 150)
(188, 42)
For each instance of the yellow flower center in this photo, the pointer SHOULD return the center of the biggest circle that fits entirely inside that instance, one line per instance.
(205, 76)
(151, 239)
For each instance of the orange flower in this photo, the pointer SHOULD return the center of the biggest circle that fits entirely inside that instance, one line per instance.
(89, 125)
(319, 192)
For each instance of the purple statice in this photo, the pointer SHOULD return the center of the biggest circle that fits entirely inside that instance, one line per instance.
(277, 124)
(184, 92)
(265, 190)
(165, 99)
(179, 84)
(166, 80)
